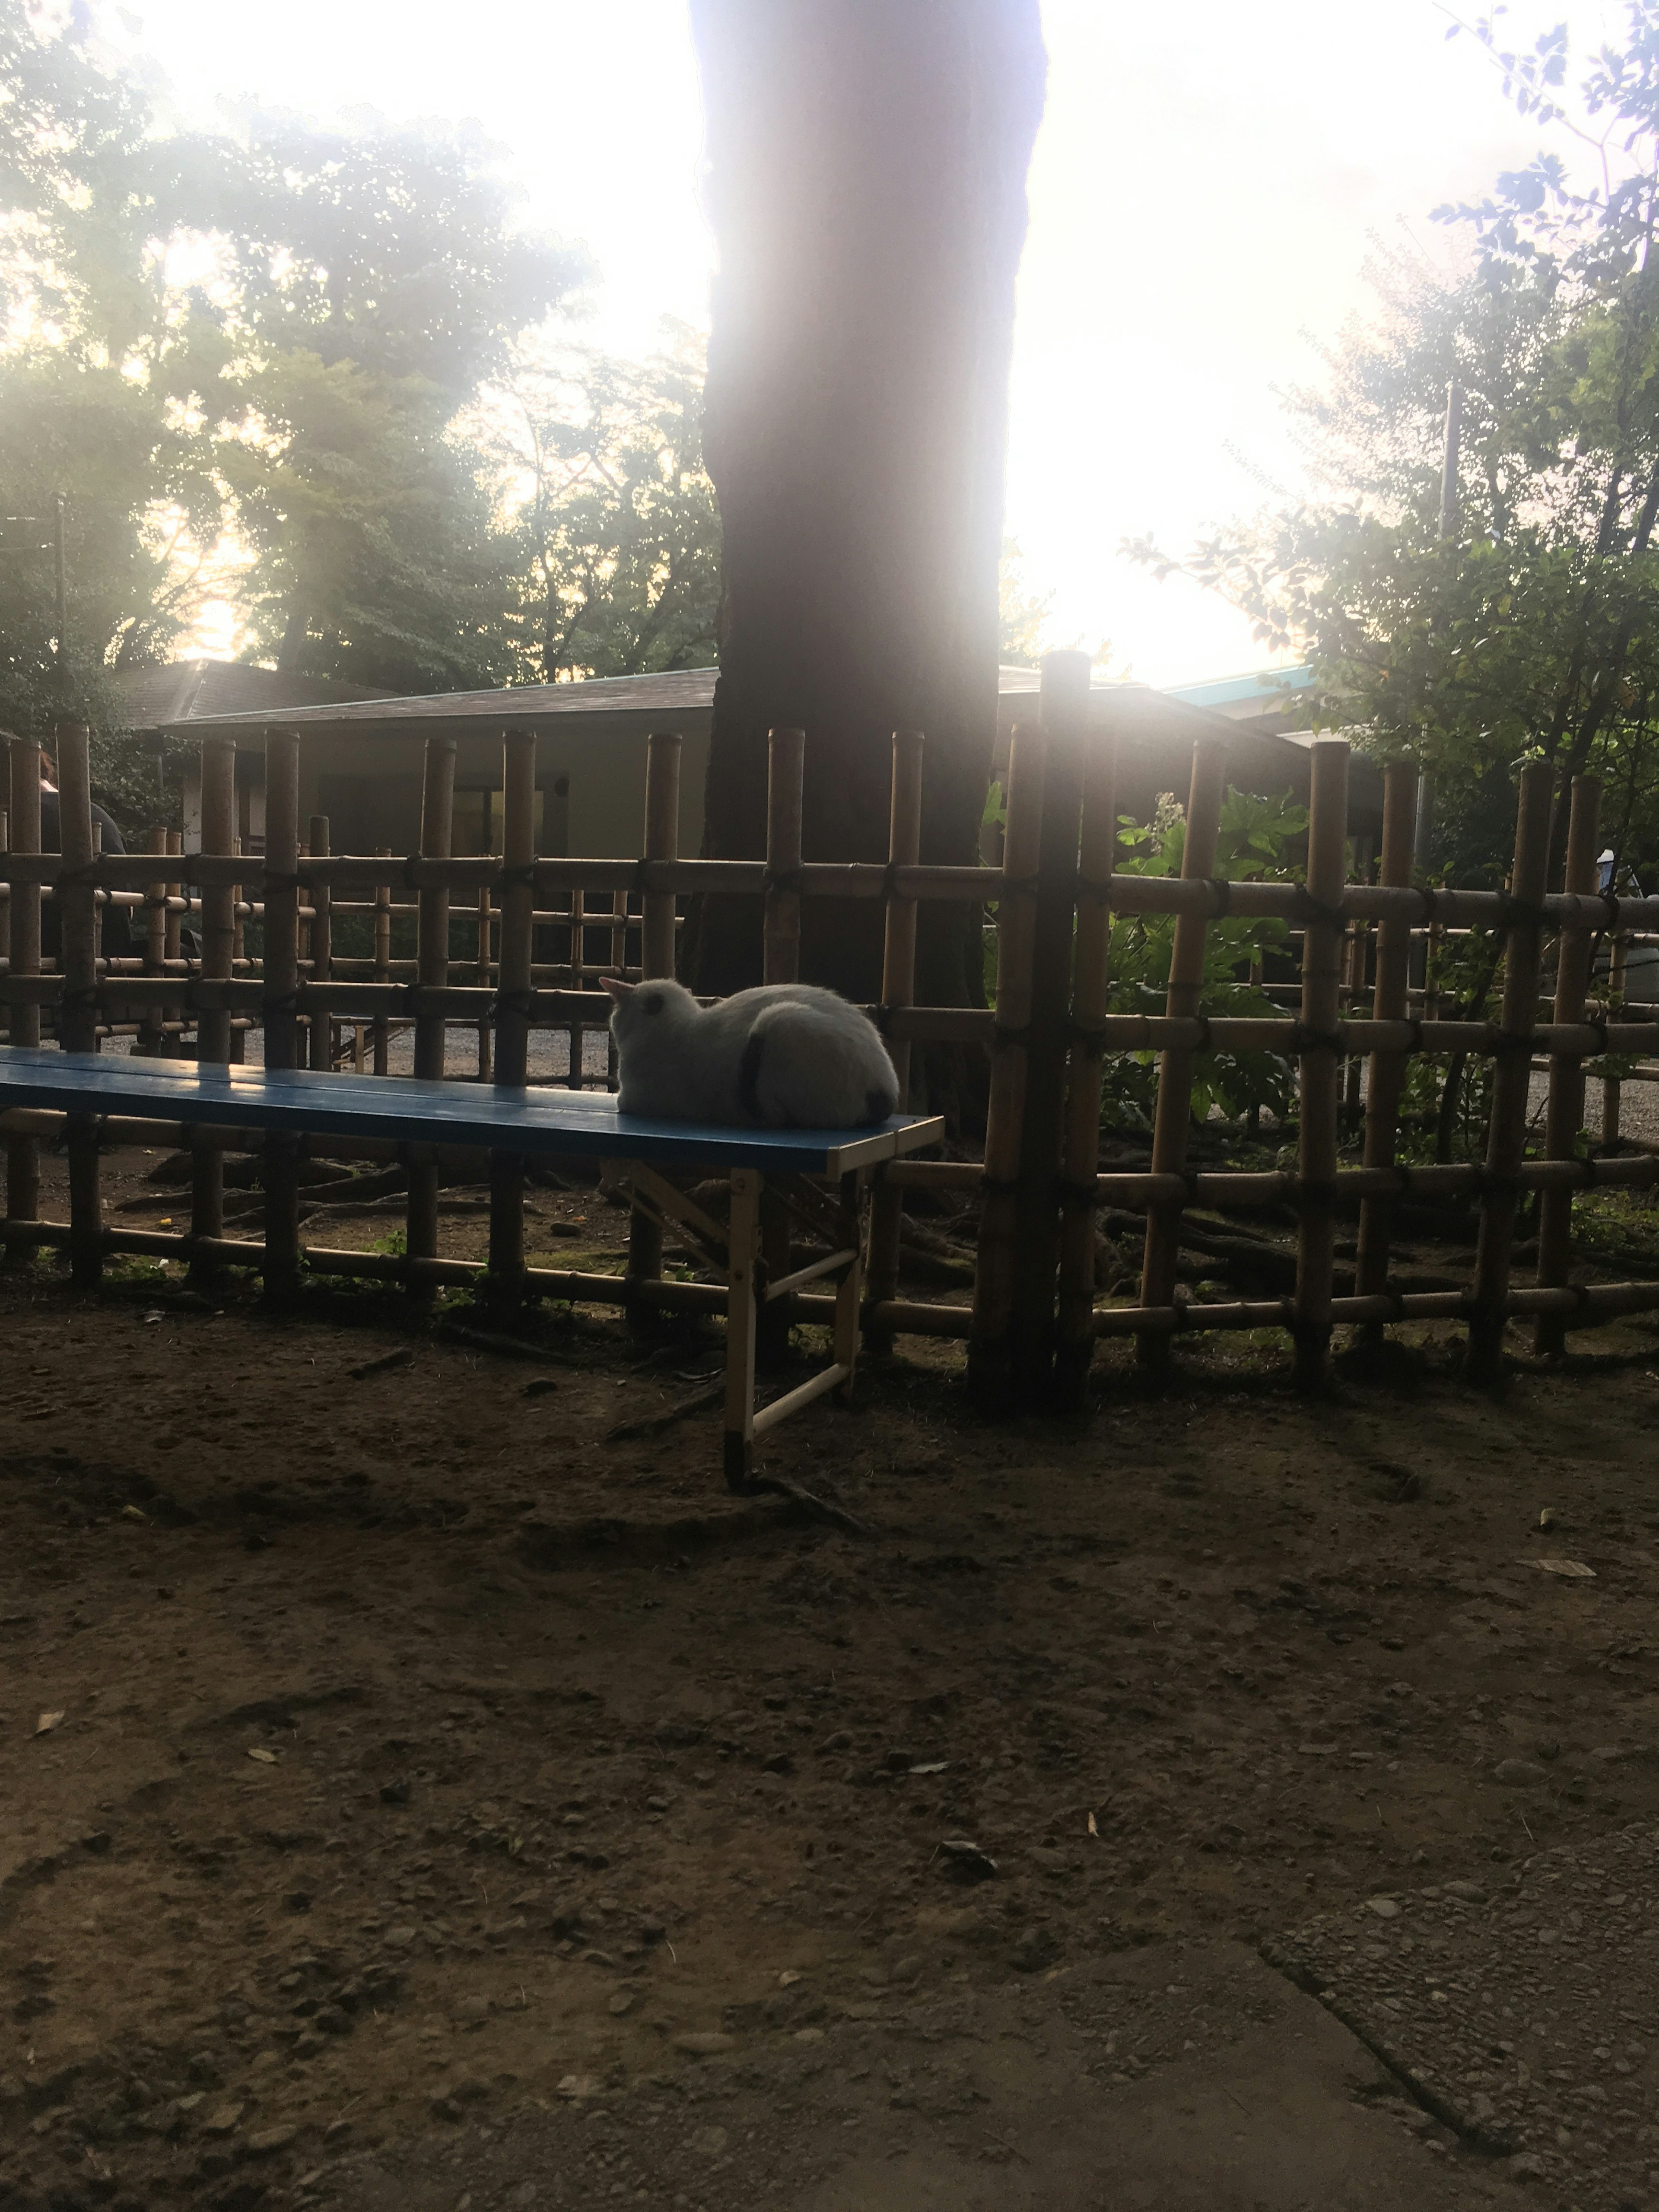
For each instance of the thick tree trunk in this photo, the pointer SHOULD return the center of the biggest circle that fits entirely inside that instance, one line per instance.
(866, 185)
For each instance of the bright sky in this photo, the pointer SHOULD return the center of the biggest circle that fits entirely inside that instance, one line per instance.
(1205, 183)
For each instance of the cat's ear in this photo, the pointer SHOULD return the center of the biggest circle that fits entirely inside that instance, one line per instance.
(617, 988)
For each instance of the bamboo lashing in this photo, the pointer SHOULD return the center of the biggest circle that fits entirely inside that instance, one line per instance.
(1564, 1114)
(898, 989)
(1172, 1116)
(1512, 1076)
(988, 1353)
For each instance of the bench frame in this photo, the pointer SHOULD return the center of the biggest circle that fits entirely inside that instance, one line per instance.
(819, 1176)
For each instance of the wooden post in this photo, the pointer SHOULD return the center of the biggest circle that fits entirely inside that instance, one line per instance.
(23, 1023)
(1172, 1118)
(382, 1032)
(1081, 1160)
(898, 989)
(78, 1016)
(514, 1003)
(656, 947)
(989, 1366)
(1506, 1135)
(1564, 1117)
(321, 1037)
(1064, 702)
(1386, 1076)
(281, 1011)
(437, 831)
(1320, 1070)
(207, 1208)
(1612, 1089)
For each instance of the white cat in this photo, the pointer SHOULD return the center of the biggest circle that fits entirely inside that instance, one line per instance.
(786, 1057)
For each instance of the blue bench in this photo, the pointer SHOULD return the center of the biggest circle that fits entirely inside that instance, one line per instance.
(538, 1123)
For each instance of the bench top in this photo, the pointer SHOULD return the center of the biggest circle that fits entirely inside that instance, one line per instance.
(539, 1119)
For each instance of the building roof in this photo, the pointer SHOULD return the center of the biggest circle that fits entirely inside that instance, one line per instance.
(152, 700)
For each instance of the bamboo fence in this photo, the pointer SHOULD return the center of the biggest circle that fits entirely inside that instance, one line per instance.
(1035, 1316)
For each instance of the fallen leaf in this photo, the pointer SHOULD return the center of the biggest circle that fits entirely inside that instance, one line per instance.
(265, 1757)
(788, 1979)
(134, 1513)
(1576, 1568)
(1093, 1830)
(932, 1767)
(46, 1722)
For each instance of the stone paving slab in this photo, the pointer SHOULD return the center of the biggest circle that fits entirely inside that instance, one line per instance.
(1522, 2010)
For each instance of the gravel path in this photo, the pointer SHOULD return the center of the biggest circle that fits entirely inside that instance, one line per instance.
(1524, 2011)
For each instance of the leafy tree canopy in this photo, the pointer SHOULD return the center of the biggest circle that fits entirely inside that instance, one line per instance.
(1518, 616)
(315, 374)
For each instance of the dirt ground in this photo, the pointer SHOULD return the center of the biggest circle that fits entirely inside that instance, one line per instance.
(431, 1763)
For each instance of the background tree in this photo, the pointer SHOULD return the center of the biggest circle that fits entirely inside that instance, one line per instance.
(601, 462)
(866, 185)
(1532, 628)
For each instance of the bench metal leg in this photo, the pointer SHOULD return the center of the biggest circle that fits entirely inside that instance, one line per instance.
(743, 1251)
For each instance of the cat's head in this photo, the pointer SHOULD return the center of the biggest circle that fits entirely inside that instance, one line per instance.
(640, 1009)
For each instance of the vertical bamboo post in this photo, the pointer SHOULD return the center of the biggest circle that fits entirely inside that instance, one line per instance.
(513, 1002)
(207, 1209)
(578, 961)
(238, 1052)
(898, 989)
(23, 1024)
(1183, 998)
(657, 948)
(320, 1040)
(1612, 1089)
(77, 1017)
(382, 1027)
(1064, 704)
(786, 763)
(1319, 1069)
(484, 975)
(152, 1038)
(1357, 942)
(1080, 1165)
(173, 943)
(1565, 1117)
(1506, 1134)
(1385, 1078)
(990, 1367)
(437, 833)
(281, 989)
